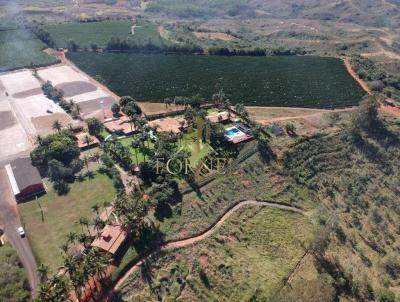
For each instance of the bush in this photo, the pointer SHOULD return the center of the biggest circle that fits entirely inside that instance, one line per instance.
(384, 295)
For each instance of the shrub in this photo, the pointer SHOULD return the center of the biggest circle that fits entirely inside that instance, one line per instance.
(384, 295)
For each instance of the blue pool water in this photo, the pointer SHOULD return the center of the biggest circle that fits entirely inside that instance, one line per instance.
(232, 132)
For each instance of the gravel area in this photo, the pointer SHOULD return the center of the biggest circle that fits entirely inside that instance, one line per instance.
(20, 81)
(28, 93)
(88, 96)
(7, 119)
(61, 74)
(91, 106)
(36, 105)
(43, 124)
(76, 87)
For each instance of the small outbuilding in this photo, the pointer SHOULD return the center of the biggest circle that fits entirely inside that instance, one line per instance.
(111, 238)
(24, 178)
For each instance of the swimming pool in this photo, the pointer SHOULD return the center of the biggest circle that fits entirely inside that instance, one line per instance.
(232, 132)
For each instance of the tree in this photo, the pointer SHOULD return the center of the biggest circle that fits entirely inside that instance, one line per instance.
(196, 101)
(95, 126)
(190, 115)
(57, 172)
(87, 140)
(93, 47)
(241, 110)
(135, 145)
(167, 102)
(72, 45)
(125, 101)
(86, 162)
(131, 210)
(115, 108)
(43, 271)
(83, 221)
(96, 208)
(56, 126)
(132, 109)
(366, 116)
(13, 283)
(290, 129)
(60, 146)
(219, 98)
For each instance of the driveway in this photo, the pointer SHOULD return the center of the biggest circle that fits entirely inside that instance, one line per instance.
(11, 221)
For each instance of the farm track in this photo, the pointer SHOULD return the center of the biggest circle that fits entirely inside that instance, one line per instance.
(175, 244)
(354, 75)
(287, 118)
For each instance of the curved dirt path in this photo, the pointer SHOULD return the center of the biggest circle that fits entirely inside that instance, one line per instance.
(170, 245)
(354, 75)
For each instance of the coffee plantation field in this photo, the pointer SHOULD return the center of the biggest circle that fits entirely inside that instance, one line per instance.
(20, 48)
(279, 81)
(100, 33)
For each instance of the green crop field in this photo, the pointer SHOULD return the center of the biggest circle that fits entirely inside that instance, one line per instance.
(87, 33)
(279, 81)
(100, 33)
(20, 48)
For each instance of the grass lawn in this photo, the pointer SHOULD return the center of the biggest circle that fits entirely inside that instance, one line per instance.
(249, 255)
(140, 153)
(61, 215)
(186, 143)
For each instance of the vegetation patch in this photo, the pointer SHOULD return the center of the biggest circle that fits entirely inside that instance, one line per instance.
(281, 81)
(20, 48)
(13, 283)
(89, 33)
(248, 258)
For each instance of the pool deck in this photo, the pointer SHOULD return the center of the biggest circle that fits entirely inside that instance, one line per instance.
(238, 137)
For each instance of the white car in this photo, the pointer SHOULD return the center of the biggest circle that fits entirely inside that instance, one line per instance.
(21, 231)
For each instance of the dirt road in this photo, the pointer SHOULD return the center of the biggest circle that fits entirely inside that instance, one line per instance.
(170, 245)
(354, 75)
(11, 221)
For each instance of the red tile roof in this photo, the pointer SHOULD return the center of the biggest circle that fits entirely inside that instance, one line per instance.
(216, 117)
(167, 124)
(111, 238)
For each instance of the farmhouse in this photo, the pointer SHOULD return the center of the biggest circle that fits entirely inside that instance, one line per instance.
(24, 178)
(86, 141)
(121, 125)
(219, 117)
(168, 124)
(111, 238)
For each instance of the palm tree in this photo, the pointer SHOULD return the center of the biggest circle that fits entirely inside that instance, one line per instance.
(135, 146)
(43, 270)
(87, 140)
(64, 248)
(86, 162)
(56, 125)
(78, 109)
(71, 237)
(39, 140)
(85, 240)
(96, 208)
(83, 221)
(98, 225)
